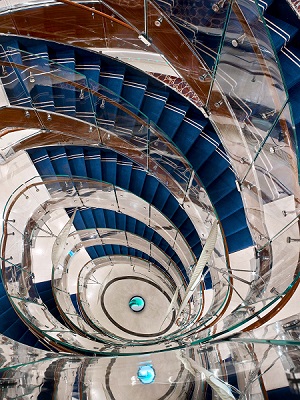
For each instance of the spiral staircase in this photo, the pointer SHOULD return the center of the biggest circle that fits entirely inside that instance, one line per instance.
(150, 195)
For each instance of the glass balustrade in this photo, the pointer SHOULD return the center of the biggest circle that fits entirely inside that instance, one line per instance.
(247, 373)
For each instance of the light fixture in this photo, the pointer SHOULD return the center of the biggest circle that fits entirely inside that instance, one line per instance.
(31, 77)
(268, 114)
(204, 76)
(137, 303)
(159, 21)
(219, 5)
(81, 95)
(4, 72)
(239, 40)
(102, 105)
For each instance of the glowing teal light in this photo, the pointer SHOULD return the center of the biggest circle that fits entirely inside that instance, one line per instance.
(137, 303)
(146, 374)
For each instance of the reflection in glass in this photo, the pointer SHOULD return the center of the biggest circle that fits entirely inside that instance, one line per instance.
(146, 374)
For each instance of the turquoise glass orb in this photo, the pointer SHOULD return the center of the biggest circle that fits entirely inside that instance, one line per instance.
(146, 374)
(137, 303)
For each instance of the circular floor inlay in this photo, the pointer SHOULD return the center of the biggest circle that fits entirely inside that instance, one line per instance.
(115, 299)
(137, 303)
(146, 374)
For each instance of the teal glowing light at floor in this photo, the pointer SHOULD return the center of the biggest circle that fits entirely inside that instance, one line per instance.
(146, 374)
(137, 303)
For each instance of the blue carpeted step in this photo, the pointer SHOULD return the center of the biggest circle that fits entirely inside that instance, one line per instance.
(46, 294)
(11, 76)
(201, 150)
(170, 207)
(281, 32)
(160, 198)
(38, 80)
(130, 224)
(194, 242)
(116, 249)
(42, 161)
(93, 164)
(239, 240)
(149, 190)
(297, 127)
(283, 393)
(64, 93)
(103, 251)
(214, 166)
(222, 205)
(133, 90)
(110, 218)
(137, 180)
(221, 187)
(172, 116)
(59, 160)
(74, 301)
(44, 289)
(64, 56)
(110, 85)
(264, 4)
(88, 66)
(10, 323)
(8, 317)
(123, 173)
(109, 166)
(234, 222)
(89, 69)
(290, 65)
(30, 339)
(76, 160)
(178, 216)
(154, 102)
(109, 248)
(140, 228)
(92, 252)
(121, 221)
(207, 44)
(188, 133)
(295, 102)
(78, 220)
(99, 217)
(282, 11)
(88, 218)
(16, 330)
